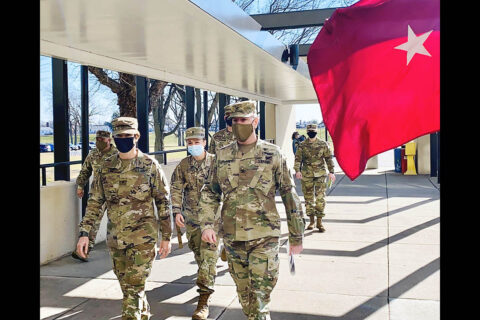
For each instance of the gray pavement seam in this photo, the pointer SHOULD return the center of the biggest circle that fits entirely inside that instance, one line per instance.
(433, 184)
(66, 311)
(226, 307)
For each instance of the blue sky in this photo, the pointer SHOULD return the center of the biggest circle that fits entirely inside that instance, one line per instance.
(104, 100)
(306, 112)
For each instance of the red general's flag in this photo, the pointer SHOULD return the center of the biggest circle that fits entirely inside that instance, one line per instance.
(375, 67)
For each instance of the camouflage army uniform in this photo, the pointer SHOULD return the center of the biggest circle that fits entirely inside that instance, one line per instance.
(222, 137)
(129, 188)
(251, 223)
(310, 160)
(187, 180)
(92, 163)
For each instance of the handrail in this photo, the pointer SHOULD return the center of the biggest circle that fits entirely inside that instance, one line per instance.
(55, 164)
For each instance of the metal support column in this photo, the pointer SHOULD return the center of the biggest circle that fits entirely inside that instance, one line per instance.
(142, 112)
(221, 111)
(85, 126)
(60, 118)
(262, 120)
(190, 104)
(205, 115)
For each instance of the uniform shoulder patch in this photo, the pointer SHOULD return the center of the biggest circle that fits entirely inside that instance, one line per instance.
(218, 134)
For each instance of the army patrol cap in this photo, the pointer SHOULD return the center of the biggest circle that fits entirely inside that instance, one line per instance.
(195, 133)
(243, 109)
(103, 134)
(125, 125)
(227, 110)
(312, 127)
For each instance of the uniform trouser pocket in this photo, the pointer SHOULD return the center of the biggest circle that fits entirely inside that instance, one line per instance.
(263, 266)
(194, 237)
(132, 267)
(320, 193)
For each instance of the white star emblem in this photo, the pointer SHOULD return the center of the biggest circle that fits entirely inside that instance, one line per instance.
(414, 44)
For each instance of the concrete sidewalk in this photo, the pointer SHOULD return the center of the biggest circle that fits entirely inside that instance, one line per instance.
(378, 259)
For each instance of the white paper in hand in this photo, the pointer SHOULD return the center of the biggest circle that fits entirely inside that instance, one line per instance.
(292, 265)
(291, 260)
(329, 183)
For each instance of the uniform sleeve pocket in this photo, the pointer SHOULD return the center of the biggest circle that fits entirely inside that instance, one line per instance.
(264, 182)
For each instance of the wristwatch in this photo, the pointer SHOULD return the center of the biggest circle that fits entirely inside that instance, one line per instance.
(83, 234)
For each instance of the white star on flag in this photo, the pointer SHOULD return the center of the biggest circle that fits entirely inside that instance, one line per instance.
(414, 44)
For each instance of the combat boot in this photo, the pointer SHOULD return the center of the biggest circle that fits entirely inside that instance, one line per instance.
(201, 313)
(312, 222)
(319, 225)
(76, 256)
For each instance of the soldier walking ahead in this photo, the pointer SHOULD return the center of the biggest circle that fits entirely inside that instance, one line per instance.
(93, 162)
(129, 182)
(310, 159)
(248, 173)
(221, 139)
(224, 136)
(186, 183)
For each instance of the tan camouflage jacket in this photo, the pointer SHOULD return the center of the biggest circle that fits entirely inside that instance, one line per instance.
(220, 139)
(248, 183)
(92, 163)
(311, 157)
(129, 190)
(187, 181)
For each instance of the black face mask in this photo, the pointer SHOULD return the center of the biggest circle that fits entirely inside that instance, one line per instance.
(311, 134)
(229, 121)
(124, 144)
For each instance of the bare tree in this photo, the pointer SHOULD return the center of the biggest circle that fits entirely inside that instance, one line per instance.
(75, 118)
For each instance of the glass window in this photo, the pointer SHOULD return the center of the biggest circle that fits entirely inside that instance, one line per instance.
(46, 116)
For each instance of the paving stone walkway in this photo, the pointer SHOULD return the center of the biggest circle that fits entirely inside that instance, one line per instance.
(378, 259)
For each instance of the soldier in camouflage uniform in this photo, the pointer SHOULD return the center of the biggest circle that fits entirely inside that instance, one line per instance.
(187, 180)
(93, 161)
(129, 182)
(310, 159)
(224, 136)
(248, 173)
(219, 140)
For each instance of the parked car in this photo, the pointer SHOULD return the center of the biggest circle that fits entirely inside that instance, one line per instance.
(44, 147)
(51, 147)
(91, 145)
(79, 146)
(74, 146)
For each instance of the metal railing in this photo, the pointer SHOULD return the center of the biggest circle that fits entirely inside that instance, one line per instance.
(165, 153)
(44, 167)
(55, 164)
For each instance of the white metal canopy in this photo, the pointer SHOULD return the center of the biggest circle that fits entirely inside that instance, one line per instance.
(207, 44)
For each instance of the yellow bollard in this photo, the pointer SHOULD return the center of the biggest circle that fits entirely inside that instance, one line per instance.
(410, 153)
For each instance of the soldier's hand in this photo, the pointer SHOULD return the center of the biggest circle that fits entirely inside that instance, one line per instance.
(209, 236)
(332, 177)
(165, 248)
(298, 175)
(80, 193)
(82, 247)
(296, 249)
(179, 220)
